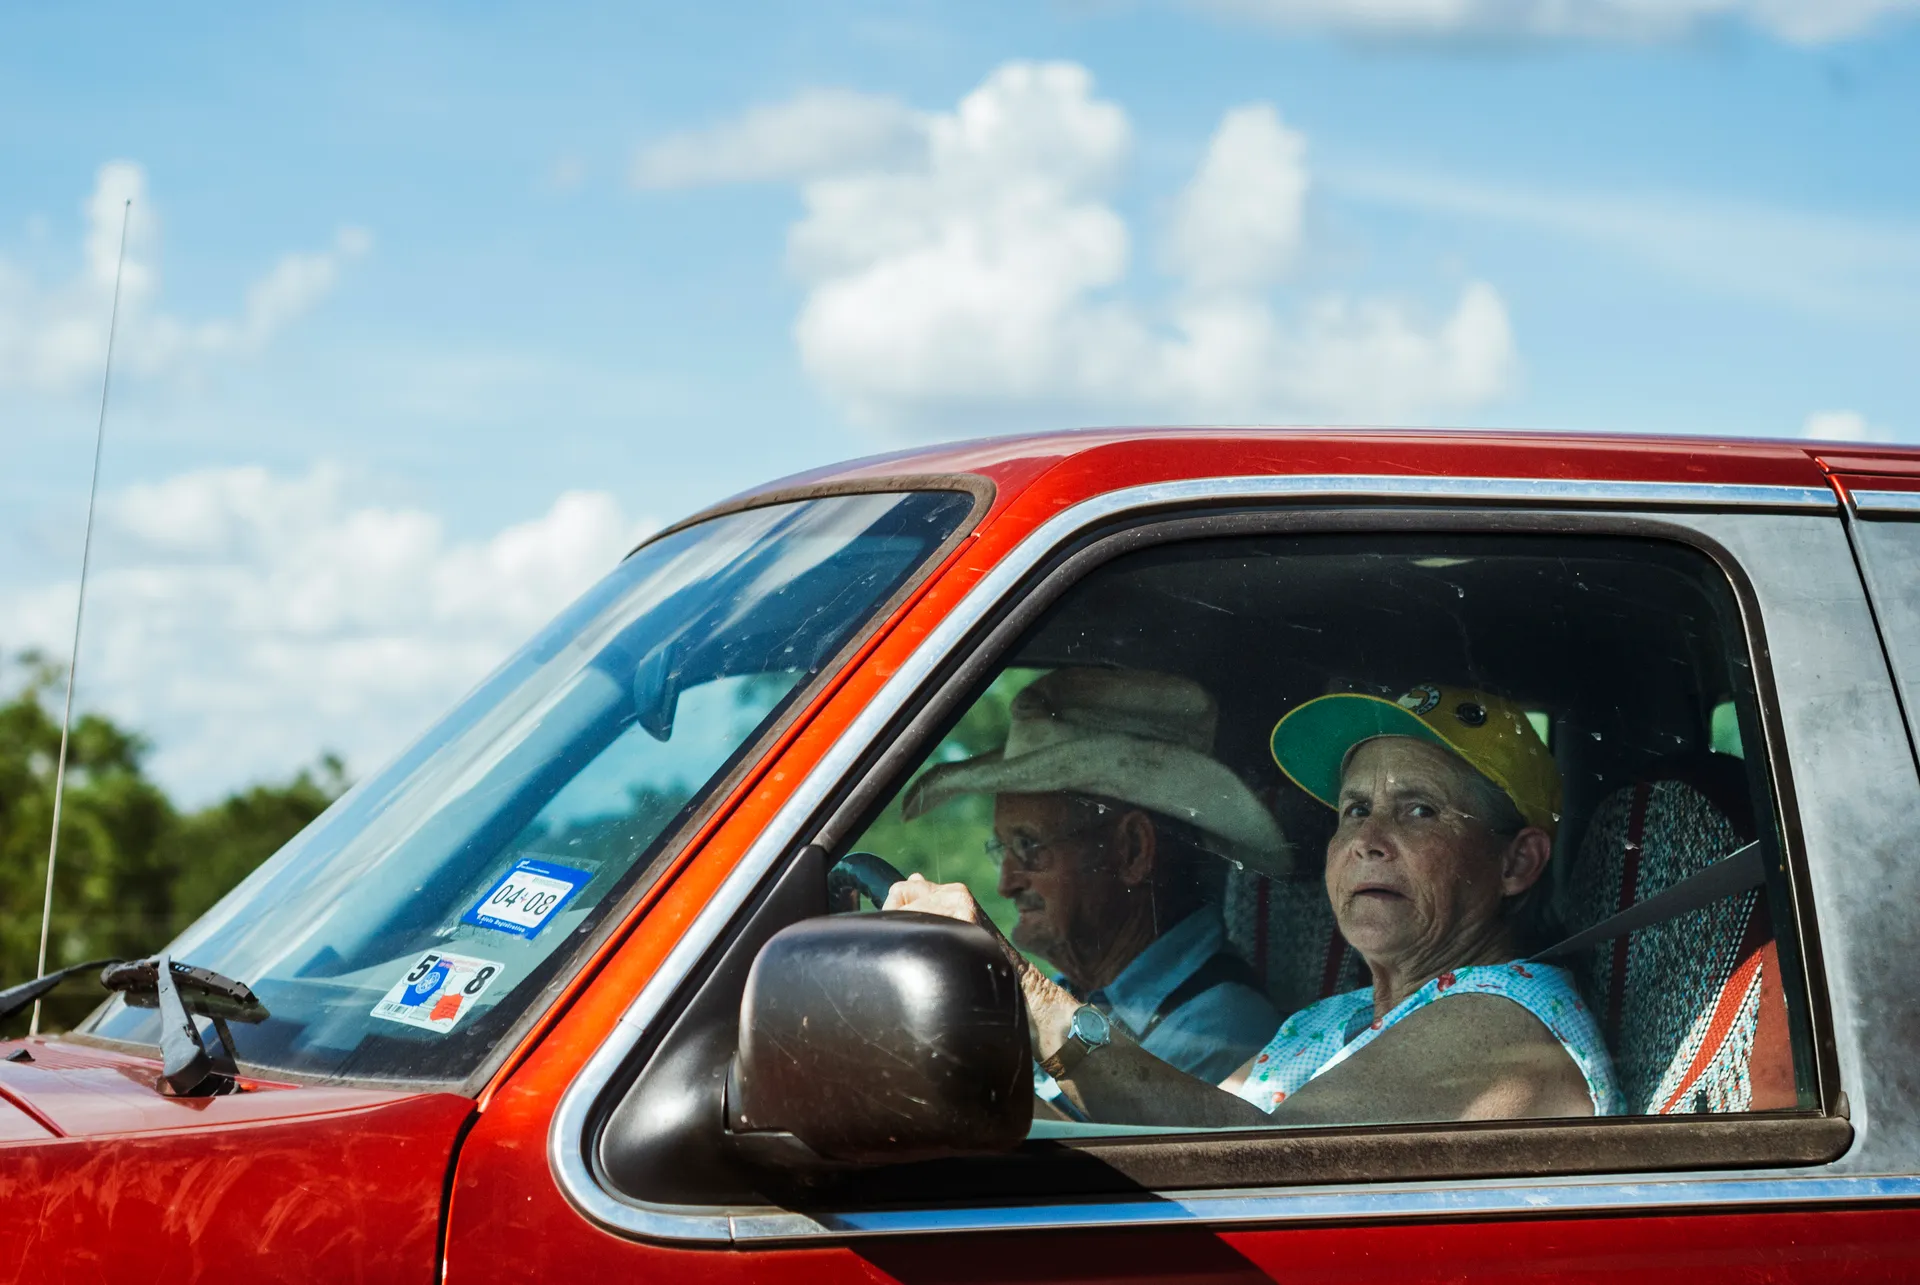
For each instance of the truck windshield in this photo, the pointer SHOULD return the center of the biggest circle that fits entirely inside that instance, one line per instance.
(401, 934)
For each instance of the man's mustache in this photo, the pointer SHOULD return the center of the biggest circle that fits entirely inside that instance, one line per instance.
(1029, 901)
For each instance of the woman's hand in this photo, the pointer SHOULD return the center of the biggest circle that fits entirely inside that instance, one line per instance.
(1050, 1006)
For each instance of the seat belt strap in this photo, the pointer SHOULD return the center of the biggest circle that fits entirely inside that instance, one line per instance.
(1219, 969)
(1739, 870)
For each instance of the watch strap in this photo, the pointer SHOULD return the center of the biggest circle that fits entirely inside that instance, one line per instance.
(1075, 1048)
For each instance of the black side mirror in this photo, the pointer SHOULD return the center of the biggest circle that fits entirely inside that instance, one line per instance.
(656, 690)
(886, 1037)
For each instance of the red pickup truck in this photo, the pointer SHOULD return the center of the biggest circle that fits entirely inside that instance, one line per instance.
(585, 985)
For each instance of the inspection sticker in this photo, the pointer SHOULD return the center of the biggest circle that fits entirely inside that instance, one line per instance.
(525, 897)
(438, 991)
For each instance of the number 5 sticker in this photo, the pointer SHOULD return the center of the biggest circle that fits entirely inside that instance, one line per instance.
(437, 991)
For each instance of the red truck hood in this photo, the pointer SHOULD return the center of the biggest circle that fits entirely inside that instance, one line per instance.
(61, 1089)
(104, 1177)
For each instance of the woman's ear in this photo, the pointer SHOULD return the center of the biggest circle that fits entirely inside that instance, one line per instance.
(1525, 860)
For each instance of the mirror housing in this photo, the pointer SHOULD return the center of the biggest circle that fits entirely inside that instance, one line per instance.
(656, 690)
(883, 1038)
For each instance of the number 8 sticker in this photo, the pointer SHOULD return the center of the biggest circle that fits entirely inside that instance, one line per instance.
(437, 991)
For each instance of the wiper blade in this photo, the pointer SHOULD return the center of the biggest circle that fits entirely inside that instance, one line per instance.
(15, 998)
(188, 1067)
(203, 990)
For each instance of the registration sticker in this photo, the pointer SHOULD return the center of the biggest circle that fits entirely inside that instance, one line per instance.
(525, 897)
(438, 991)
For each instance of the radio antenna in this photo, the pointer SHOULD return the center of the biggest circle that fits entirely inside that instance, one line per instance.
(79, 611)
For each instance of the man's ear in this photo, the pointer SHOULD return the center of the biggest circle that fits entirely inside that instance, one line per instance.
(1525, 860)
(1135, 848)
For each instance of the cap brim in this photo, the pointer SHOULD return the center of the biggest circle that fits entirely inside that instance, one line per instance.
(1310, 744)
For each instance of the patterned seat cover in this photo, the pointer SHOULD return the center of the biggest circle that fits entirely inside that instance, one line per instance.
(1692, 1007)
(1285, 929)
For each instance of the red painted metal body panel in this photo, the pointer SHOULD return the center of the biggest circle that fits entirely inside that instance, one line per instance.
(283, 1183)
(505, 1192)
(17, 1124)
(81, 1090)
(1160, 457)
(1126, 457)
(1851, 482)
(1679, 1250)
(1889, 462)
(285, 1176)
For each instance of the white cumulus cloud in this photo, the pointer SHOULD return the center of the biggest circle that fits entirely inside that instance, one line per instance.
(54, 335)
(1239, 221)
(816, 131)
(988, 278)
(1844, 426)
(243, 618)
(1798, 21)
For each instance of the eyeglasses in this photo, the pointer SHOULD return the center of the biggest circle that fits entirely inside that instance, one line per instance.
(1029, 855)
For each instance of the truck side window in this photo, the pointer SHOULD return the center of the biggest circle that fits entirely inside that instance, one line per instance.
(1890, 556)
(1244, 797)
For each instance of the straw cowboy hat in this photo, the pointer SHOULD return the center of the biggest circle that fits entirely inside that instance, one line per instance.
(1140, 737)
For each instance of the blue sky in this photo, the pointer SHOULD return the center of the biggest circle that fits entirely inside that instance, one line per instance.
(435, 311)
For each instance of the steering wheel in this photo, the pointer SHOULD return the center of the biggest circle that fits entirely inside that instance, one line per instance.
(860, 874)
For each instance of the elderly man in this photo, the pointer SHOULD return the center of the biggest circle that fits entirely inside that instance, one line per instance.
(1447, 803)
(1110, 820)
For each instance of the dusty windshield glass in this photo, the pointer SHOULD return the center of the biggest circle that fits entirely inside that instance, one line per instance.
(401, 933)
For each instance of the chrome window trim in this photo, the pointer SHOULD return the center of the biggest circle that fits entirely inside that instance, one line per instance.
(1489, 1198)
(566, 1136)
(1885, 501)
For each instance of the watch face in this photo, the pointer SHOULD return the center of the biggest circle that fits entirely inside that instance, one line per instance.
(1090, 1024)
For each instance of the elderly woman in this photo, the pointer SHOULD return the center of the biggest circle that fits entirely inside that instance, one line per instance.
(1447, 802)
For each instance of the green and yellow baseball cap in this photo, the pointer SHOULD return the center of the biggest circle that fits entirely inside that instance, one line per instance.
(1491, 733)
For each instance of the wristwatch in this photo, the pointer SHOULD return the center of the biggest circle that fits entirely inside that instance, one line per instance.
(1088, 1031)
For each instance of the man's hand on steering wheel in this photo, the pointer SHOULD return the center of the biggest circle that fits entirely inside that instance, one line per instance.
(954, 900)
(1050, 1006)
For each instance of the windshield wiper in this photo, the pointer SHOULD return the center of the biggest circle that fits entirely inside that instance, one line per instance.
(188, 1067)
(15, 998)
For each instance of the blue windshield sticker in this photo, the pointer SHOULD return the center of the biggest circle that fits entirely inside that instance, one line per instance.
(523, 899)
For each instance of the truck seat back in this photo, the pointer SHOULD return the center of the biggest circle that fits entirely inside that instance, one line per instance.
(1692, 1006)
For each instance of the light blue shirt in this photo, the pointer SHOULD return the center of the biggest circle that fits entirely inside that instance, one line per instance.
(1323, 1035)
(1211, 1034)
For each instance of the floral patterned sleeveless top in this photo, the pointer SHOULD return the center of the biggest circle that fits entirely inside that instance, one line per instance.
(1323, 1035)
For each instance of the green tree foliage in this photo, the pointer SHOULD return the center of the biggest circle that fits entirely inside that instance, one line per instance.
(133, 870)
(948, 844)
(207, 852)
